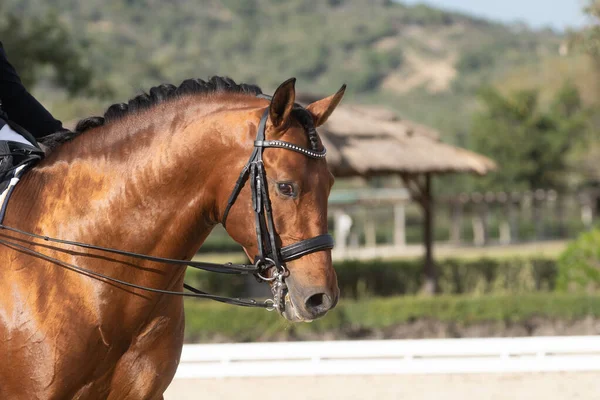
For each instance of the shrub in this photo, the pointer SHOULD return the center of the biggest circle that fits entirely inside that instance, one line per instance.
(486, 275)
(579, 265)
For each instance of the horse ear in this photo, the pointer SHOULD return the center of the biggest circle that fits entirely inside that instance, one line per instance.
(282, 104)
(322, 109)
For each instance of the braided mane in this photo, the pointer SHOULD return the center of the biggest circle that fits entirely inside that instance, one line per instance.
(166, 92)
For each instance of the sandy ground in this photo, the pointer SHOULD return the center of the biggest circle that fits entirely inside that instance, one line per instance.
(530, 386)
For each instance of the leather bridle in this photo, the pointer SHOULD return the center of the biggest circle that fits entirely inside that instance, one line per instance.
(271, 258)
(270, 255)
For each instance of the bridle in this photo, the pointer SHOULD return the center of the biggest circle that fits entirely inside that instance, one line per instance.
(271, 258)
(270, 255)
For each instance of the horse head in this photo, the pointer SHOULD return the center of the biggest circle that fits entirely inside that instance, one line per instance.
(298, 185)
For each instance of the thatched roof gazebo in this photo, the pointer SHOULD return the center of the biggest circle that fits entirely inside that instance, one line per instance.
(369, 141)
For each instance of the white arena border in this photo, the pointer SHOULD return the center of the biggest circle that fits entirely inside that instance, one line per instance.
(391, 357)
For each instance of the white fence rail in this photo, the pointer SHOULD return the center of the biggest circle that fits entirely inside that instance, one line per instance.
(389, 357)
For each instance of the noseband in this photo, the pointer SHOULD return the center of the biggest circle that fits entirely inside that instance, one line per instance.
(270, 254)
(271, 258)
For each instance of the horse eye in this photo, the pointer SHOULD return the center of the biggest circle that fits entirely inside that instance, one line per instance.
(286, 189)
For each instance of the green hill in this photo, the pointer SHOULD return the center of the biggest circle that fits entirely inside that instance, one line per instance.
(423, 62)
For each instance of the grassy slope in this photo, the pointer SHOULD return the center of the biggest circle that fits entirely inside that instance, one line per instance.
(550, 74)
(423, 62)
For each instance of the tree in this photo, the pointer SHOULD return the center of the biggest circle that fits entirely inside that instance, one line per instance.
(36, 42)
(532, 147)
(590, 37)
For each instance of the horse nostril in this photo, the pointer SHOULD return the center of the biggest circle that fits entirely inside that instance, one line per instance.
(318, 302)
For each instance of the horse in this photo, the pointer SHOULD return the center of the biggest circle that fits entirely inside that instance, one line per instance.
(154, 176)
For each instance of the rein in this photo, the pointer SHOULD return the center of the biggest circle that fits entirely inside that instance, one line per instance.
(270, 255)
(289, 253)
(195, 292)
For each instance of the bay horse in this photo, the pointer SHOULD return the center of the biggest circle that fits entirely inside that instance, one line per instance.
(154, 176)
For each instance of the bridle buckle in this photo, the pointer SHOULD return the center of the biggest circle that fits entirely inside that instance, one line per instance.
(264, 264)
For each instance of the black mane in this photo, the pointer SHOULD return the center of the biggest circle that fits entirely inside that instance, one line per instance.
(166, 92)
(156, 95)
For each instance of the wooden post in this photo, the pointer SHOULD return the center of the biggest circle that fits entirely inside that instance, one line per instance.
(504, 225)
(513, 216)
(422, 194)
(370, 232)
(539, 197)
(399, 225)
(561, 215)
(342, 225)
(429, 271)
(456, 228)
(587, 214)
(488, 198)
(551, 205)
(479, 220)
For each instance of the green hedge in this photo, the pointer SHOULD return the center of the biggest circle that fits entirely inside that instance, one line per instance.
(579, 265)
(455, 276)
(361, 279)
(210, 321)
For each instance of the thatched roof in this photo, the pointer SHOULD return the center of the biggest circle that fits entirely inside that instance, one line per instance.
(363, 140)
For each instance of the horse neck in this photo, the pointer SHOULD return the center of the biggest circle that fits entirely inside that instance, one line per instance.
(147, 183)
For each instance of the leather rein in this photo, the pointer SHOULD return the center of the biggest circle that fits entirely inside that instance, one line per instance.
(270, 257)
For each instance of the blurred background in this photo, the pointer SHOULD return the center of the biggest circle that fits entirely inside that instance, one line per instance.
(466, 149)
